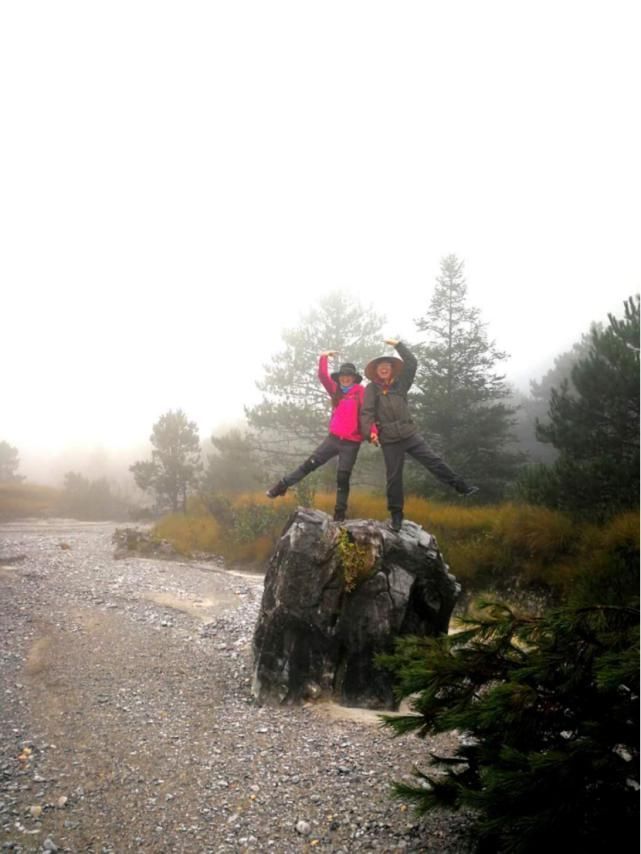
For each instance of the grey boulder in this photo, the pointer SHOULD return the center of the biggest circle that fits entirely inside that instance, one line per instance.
(338, 594)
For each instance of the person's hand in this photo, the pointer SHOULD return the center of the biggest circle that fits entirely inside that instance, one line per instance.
(373, 437)
(392, 342)
(330, 353)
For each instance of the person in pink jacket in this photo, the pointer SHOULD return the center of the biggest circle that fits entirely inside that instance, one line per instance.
(344, 439)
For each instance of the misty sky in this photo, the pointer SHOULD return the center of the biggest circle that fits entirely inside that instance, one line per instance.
(179, 181)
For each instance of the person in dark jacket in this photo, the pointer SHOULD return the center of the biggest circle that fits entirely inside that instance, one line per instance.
(344, 439)
(386, 421)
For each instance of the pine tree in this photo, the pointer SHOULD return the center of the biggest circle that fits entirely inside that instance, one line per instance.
(234, 467)
(534, 407)
(548, 712)
(460, 397)
(175, 461)
(293, 416)
(594, 425)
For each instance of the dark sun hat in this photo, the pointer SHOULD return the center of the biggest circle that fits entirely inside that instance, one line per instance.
(396, 363)
(347, 368)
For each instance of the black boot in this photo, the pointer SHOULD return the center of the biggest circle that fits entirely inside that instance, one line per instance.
(397, 520)
(342, 495)
(277, 489)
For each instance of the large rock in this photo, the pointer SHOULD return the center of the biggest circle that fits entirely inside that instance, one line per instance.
(335, 595)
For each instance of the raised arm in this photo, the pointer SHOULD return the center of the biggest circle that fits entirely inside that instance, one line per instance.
(409, 371)
(323, 373)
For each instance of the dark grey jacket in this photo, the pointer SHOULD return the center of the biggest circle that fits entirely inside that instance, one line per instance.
(386, 406)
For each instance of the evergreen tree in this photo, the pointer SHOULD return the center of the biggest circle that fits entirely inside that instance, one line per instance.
(175, 461)
(534, 407)
(594, 425)
(548, 709)
(293, 416)
(234, 467)
(460, 397)
(9, 463)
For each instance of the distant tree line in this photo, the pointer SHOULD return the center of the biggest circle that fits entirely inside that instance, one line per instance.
(91, 500)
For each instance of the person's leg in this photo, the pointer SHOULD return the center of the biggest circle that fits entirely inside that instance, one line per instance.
(324, 452)
(394, 455)
(419, 449)
(346, 459)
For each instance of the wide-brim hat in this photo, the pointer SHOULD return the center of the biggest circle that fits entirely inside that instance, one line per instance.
(396, 363)
(347, 368)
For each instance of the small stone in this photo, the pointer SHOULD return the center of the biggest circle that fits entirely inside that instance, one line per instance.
(303, 827)
(49, 845)
(62, 801)
(36, 811)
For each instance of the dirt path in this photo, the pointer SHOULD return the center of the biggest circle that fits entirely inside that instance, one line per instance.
(127, 721)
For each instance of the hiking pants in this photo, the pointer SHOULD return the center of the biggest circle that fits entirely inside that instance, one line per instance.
(417, 447)
(332, 446)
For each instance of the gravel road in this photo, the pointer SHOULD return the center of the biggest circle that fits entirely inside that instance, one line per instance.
(127, 721)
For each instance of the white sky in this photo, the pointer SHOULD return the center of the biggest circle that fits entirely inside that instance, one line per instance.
(180, 180)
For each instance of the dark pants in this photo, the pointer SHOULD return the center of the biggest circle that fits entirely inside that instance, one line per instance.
(417, 447)
(332, 446)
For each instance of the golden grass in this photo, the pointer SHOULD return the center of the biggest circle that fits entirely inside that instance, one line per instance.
(189, 534)
(20, 500)
(502, 547)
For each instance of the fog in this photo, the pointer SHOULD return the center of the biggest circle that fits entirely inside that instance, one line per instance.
(180, 182)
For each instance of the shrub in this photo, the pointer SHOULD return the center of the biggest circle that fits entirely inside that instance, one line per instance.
(549, 706)
(189, 534)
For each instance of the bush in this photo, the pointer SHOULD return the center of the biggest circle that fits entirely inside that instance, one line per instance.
(189, 534)
(549, 706)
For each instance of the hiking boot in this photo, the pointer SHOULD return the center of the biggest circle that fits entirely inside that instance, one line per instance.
(469, 491)
(339, 515)
(277, 489)
(396, 521)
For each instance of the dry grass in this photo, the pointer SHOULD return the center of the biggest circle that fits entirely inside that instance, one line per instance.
(507, 548)
(20, 500)
(189, 534)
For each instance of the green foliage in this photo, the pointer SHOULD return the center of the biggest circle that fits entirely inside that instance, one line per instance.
(533, 408)
(594, 425)
(293, 415)
(9, 462)
(235, 466)
(90, 499)
(356, 560)
(248, 519)
(549, 709)
(175, 461)
(460, 398)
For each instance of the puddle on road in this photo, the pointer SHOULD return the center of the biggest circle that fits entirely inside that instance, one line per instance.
(202, 608)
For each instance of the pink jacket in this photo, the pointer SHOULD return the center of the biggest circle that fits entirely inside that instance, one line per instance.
(345, 416)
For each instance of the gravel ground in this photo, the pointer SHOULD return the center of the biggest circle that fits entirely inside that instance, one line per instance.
(127, 721)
